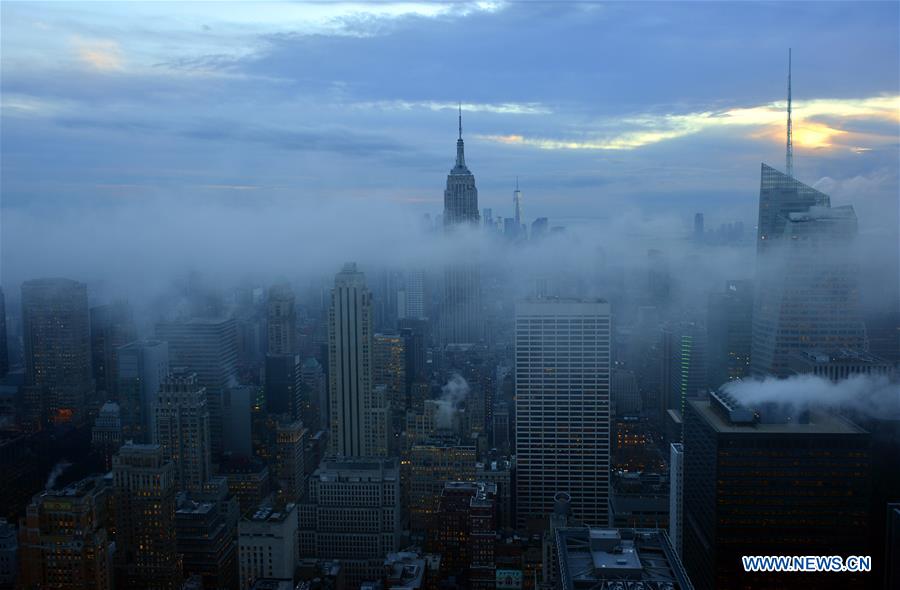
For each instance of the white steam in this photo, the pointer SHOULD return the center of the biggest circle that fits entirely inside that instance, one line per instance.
(871, 395)
(452, 395)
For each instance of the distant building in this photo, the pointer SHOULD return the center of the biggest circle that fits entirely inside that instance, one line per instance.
(56, 326)
(592, 558)
(281, 321)
(461, 306)
(836, 365)
(729, 324)
(743, 494)
(314, 410)
(63, 541)
(248, 479)
(267, 545)
(142, 367)
(106, 435)
(290, 471)
(562, 407)
(352, 514)
(182, 429)
(208, 347)
(144, 484)
(112, 326)
(237, 418)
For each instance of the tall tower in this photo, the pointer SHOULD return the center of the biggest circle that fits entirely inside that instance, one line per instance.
(57, 345)
(351, 395)
(562, 408)
(182, 429)
(282, 320)
(517, 201)
(789, 159)
(462, 282)
(461, 196)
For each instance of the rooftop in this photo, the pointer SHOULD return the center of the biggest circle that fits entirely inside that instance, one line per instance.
(590, 558)
(816, 422)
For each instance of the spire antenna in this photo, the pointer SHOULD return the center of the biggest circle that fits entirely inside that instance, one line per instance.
(460, 119)
(789, 164)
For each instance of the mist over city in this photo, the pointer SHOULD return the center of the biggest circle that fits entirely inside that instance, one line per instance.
(449, 295)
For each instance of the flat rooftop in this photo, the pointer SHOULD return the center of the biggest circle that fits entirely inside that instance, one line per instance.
(820, 422)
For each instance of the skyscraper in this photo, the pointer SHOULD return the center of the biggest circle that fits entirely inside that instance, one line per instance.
(562, 407)
(807, 279)
(182, 429)
(145, 486)
(282, 320)
(57, 345)
(729, 328)
(676, 495)
(209, 348)
(142, 366)
(112, 326)
(353, 412)
(462, 281)
(764, 481)
(517, 203)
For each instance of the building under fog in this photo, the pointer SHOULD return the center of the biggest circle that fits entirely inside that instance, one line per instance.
(357, 414)
(461, 304)
(807, 278)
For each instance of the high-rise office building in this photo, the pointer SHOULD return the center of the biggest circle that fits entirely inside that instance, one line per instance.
(765, 481)
(144, 484)
(9, 554)
(112, 326)
(461, 304)
(836, 365)
(354, 411)
(63, 540)
(685, 363)
(182, 429)
(142, 366)
(281, 320)
(284, 390)
(562, 407)
(807, 284)
(56, 325)
(208, 347)
(729, 324)
(780, 195)
(352, 513)
(411, 297)
(106, 435)
(389, 368)
(314, 408)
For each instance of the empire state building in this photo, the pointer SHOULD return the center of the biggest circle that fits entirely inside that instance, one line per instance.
(462, 283)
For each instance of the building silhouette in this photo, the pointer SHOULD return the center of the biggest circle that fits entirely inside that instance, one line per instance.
(56, 325)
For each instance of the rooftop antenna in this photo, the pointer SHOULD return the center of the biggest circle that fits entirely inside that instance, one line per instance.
(460, 119)
(789, 165)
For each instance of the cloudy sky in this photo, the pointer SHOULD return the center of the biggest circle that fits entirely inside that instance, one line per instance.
(660, 108)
